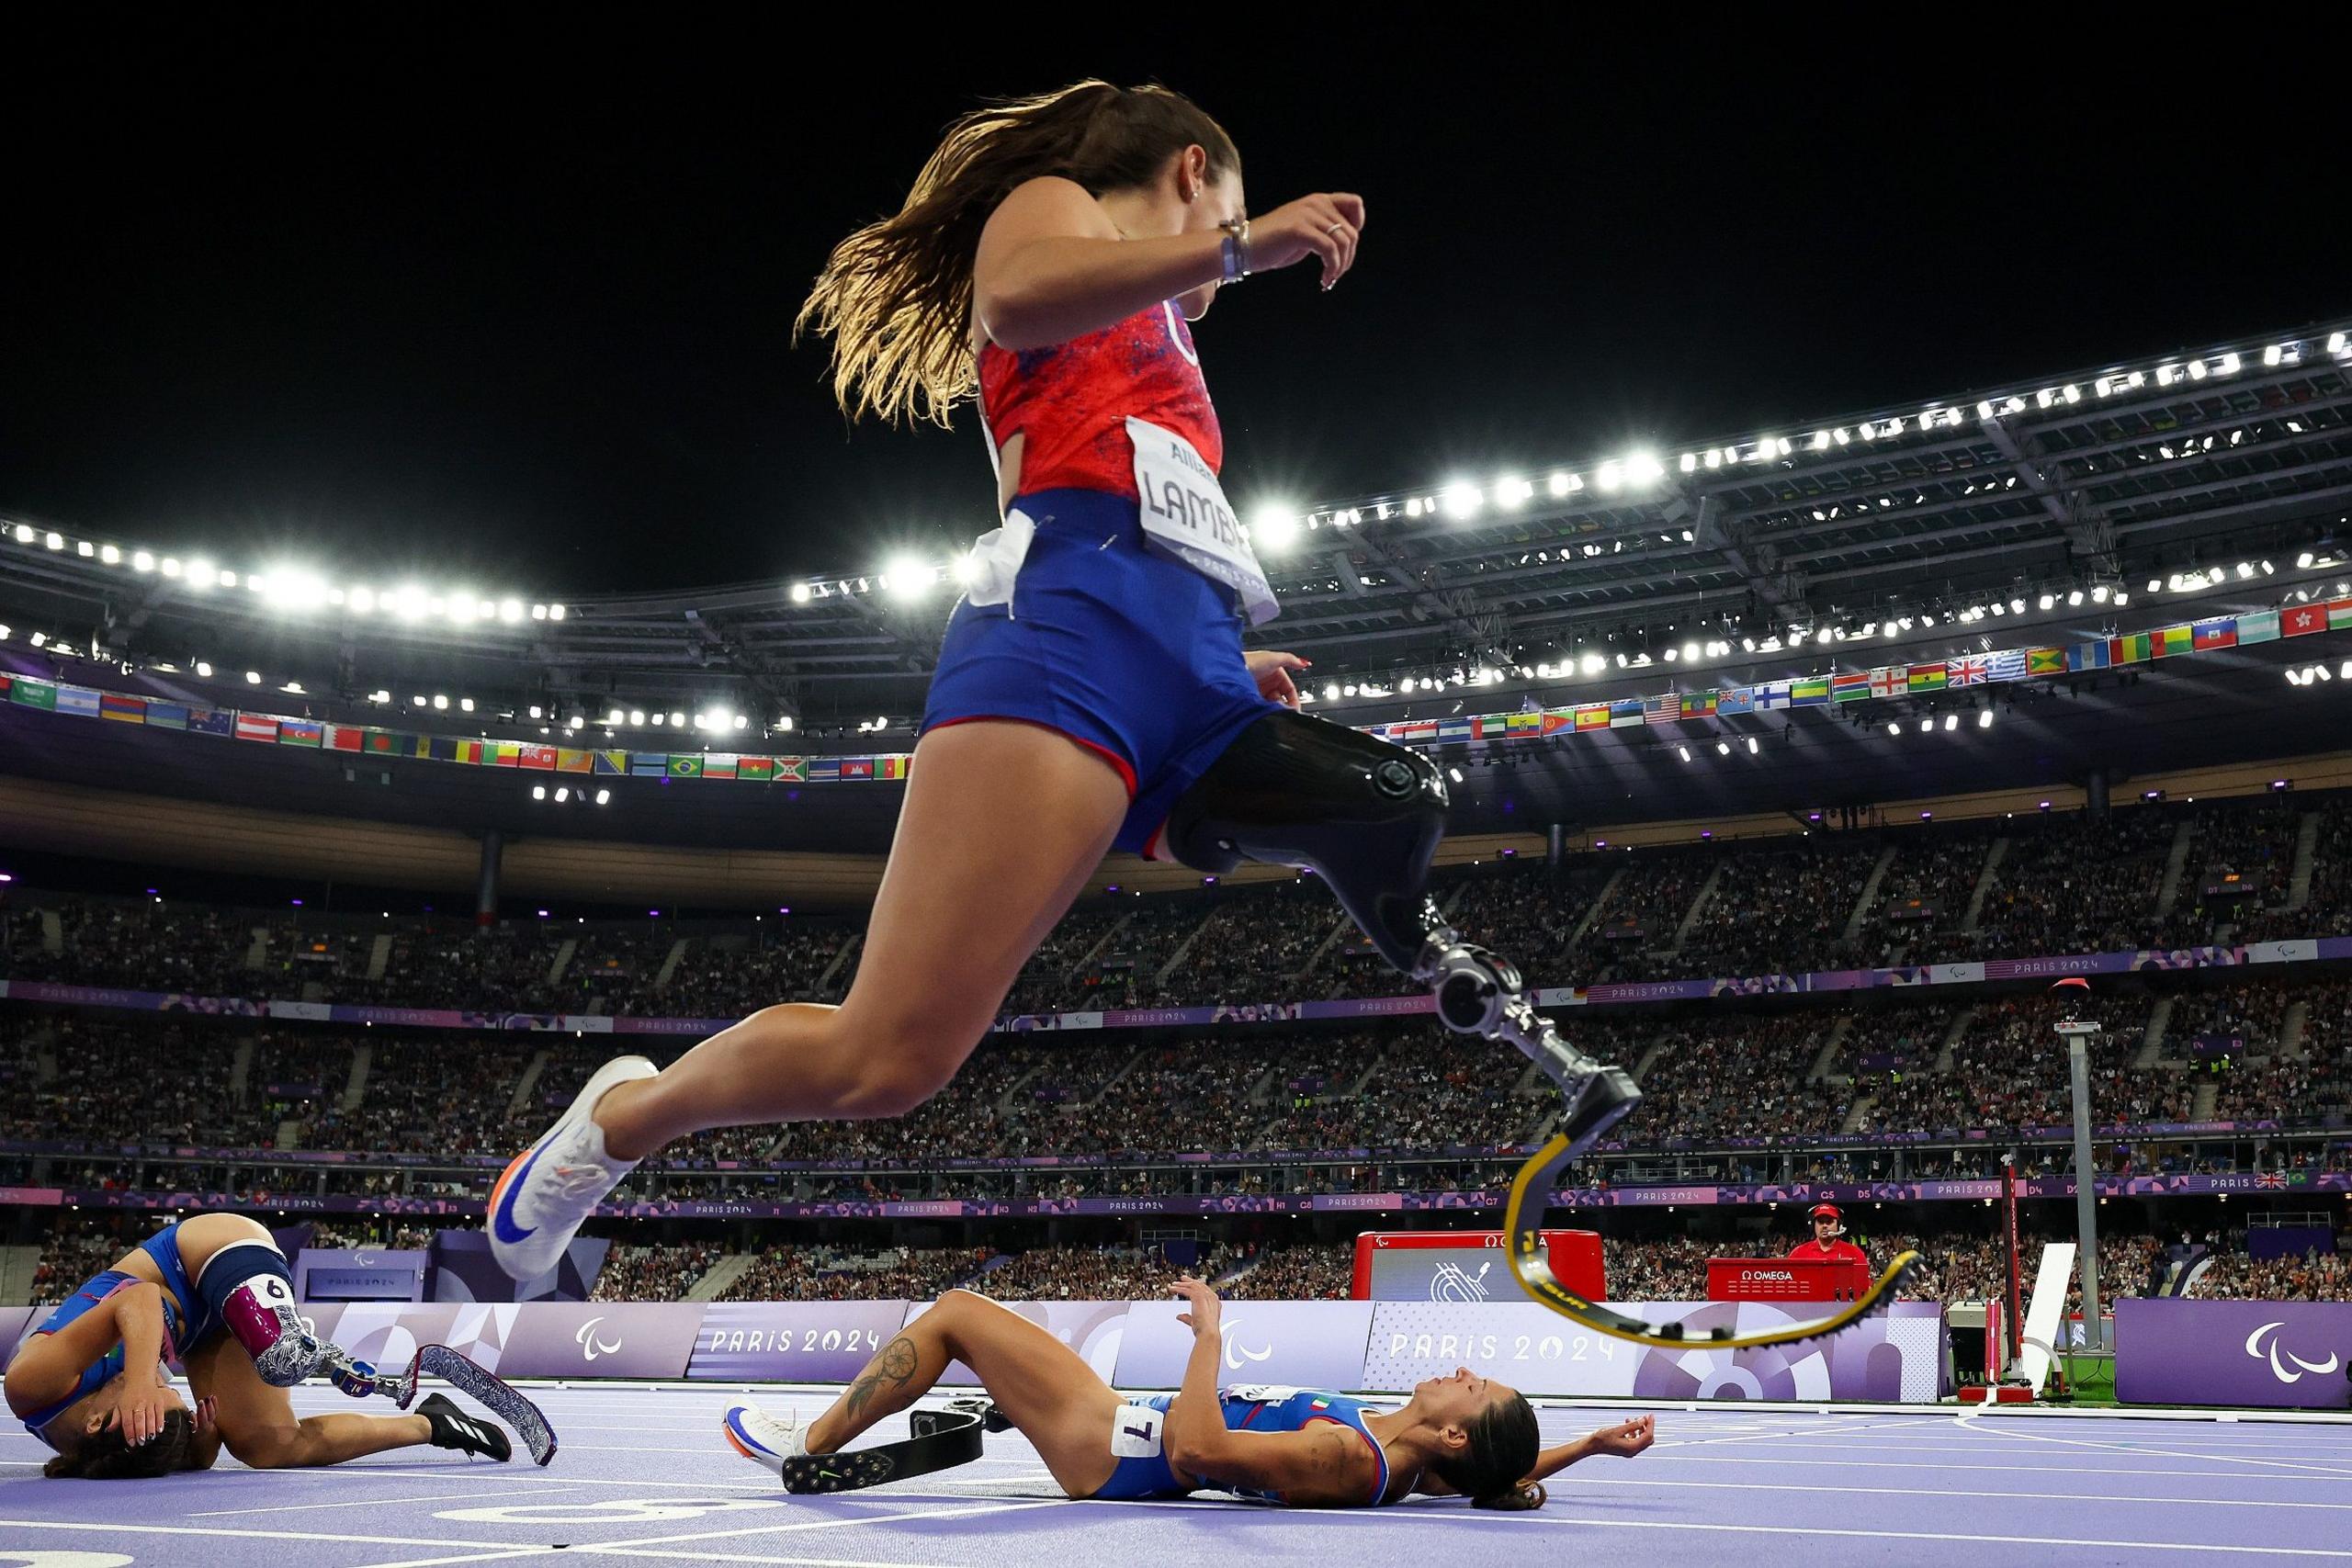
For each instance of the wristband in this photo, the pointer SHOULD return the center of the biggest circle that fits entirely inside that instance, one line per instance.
(1236, 249)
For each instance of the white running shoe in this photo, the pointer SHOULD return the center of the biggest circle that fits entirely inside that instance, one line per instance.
(548, 1189)
(762, 1438)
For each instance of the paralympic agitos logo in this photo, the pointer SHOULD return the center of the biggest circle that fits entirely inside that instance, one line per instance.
(2255, 1348)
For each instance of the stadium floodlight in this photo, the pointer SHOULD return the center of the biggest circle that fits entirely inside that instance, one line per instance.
(2346, 670)
(203, 670)
(1752, 747)
(907, 577)
(539, 792)
(460, 607)
(2045, 602)
(2122, 598)
(562, 794)
(199, 575)
(1926, 726)
(410, 604)
(510, 611)
(1592, 664)
(1685, 750)
(24, 534)
(1462, 501)
(678, 719)
(2075, 597)
(1512, 492)
(3, 631)
(465, 704)
(54, 541)
(1984, 719)
(658, 719)
(380, 698)
(536, 710)
(110, 556)
(556, 611)
(440, 702)
(1722, 748)
(539, 612)
(784, 725)
(141, 561)
(252, 677)
(1560, 482)
(1454, 773)
(1330, 692)
(1274, 527)
(2098, 594)
(1952, 722)
(1671, 655)
(40, 640)
(604, 797)
(2246, 568)
(739, 723)
(1689, 652)
(577, 721)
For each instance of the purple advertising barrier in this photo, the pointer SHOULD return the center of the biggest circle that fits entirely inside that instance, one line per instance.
(464, 1270)
(2284, 1355)
(385, 1333)
(578, 1339)
(1302, 1343)
(1096, 1330)
(359, 1274)
(12, 1324)
(1894, 1357)
(791, 1341)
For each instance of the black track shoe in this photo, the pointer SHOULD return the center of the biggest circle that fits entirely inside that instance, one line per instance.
(453, 1428)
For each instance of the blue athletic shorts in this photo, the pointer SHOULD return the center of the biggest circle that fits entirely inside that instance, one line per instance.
(1130, 654)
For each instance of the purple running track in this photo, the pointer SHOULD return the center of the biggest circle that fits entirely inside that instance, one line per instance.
(645, 1476)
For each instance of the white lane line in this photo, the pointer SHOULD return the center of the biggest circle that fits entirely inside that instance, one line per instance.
(965, 1511)
(247, 1535)
(2273, 1464)
(375, 1502)
(469, 1557)
(2107, 1470)
(2006, 1495)
(2042, 1541)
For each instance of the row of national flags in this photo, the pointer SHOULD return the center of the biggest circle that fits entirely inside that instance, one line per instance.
(1885, 681)
(50, 696)
(1892, 681)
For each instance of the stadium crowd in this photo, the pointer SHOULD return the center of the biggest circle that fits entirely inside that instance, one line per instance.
(2062, 882)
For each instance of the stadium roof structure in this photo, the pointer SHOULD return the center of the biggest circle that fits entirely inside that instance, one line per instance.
(2096, 502)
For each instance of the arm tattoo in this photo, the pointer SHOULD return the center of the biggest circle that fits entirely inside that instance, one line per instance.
(896, 1364)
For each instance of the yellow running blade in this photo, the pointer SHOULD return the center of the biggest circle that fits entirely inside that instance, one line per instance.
(1531, 1194)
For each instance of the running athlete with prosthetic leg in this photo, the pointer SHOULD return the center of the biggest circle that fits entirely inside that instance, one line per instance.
(1091, 686)
(214, 1292)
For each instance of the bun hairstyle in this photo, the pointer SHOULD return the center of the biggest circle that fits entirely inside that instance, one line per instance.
(104, 1456)
(895, 297)
(1491, 1470)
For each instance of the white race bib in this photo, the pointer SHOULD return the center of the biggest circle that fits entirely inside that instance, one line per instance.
(1185, 516)
(1134, 1431)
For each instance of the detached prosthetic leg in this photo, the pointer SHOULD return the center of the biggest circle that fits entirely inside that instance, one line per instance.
(1366, 816)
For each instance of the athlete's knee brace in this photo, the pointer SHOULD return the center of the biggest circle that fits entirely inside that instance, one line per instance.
(249, 1288)
(1364, 814)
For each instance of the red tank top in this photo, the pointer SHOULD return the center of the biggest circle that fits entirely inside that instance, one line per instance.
(1072, 400)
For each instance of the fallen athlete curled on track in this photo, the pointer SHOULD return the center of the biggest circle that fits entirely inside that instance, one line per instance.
(1460, 1436)
(213, 1293)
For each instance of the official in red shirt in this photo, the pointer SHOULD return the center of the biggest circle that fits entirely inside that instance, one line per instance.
(1825, 1245)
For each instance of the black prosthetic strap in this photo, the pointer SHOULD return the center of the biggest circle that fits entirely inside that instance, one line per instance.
(942, 1440)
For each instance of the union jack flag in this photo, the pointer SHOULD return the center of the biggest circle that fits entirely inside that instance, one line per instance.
(2269, 1178)
(1972, 671)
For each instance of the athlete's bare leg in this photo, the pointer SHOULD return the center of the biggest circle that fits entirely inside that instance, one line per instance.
(1002, 825)
(258, 1425)
(1042, 1386)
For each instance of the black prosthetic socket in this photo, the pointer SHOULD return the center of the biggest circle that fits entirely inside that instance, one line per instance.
(1366, 815)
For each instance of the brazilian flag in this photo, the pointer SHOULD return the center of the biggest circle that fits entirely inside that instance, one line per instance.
(686, 767)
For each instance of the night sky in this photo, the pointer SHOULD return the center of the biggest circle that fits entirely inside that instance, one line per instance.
(427, 295)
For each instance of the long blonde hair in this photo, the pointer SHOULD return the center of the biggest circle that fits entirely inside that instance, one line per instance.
(896, 295)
